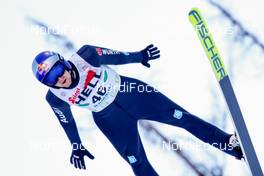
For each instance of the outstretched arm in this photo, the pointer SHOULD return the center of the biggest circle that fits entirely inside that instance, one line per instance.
(63, 112)
(97, 56)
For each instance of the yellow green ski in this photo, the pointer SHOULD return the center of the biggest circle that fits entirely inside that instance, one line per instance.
(219, 69)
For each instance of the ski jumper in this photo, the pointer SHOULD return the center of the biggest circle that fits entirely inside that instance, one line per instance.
(116, 111)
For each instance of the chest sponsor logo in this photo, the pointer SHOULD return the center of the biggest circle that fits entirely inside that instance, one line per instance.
(73, 98)
(90, 84)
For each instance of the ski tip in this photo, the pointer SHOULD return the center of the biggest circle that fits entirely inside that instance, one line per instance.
(194, 16)
(194, 10)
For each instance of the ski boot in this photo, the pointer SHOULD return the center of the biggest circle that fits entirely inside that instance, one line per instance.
(234, 143)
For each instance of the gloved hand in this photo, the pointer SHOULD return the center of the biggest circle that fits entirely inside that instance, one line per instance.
(149, 53)
(77, 156)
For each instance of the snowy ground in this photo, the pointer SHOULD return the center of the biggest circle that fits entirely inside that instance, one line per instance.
(33, 141)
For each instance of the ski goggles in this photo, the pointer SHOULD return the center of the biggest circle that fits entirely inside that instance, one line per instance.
(53, 75)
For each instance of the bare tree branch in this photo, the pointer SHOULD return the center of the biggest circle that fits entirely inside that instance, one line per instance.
(52, 34)
(243, 31)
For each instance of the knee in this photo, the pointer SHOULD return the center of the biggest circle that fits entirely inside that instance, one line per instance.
(177, 114)
(181, 118)
(176, 117)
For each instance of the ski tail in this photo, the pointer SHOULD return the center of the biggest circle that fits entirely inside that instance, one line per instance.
(221, 74)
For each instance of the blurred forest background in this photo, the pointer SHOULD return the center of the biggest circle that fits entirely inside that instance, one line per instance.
(36, 144)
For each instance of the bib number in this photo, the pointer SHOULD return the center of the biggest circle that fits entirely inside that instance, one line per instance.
(101, 91)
